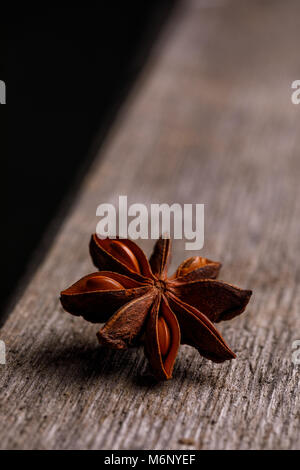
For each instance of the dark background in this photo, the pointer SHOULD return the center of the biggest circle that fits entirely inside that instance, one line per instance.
(67, 70)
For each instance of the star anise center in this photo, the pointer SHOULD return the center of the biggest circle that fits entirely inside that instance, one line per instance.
(160, 284)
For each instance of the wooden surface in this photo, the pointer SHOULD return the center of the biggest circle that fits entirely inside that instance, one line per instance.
(210, 121)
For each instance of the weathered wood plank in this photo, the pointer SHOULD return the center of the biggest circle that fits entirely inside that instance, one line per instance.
(210, 121)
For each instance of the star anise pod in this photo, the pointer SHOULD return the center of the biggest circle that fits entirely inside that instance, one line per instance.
(137, 300)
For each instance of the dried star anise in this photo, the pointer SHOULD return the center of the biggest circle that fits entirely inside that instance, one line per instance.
(137, 300)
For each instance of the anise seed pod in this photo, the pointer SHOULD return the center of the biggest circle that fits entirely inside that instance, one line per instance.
(137, 300)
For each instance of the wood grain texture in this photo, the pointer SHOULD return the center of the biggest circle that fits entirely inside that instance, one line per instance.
(210, 121)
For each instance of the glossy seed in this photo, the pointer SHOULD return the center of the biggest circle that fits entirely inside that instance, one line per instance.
(103, 283)
(193, 263)
(164, 336)
(124, 254)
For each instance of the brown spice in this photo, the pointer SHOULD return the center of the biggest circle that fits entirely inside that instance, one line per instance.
(137, 300)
